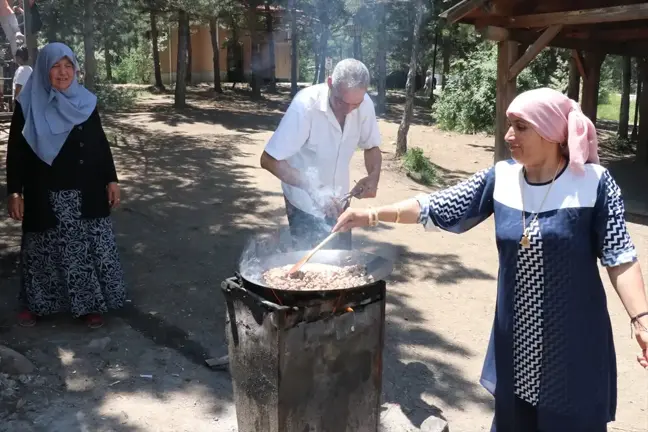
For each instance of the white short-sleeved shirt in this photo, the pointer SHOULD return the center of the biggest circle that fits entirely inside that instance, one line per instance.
(21, 76)
(310, 139)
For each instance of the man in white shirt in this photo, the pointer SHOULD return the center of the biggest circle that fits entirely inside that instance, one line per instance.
(311, 150)
(23, 72)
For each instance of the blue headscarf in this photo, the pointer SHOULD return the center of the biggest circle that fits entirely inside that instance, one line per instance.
(50, 114)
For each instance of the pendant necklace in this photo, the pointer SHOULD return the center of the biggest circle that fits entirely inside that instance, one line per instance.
(525, 241)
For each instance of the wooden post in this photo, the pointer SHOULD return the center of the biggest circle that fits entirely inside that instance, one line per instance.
(573, 91)
(507, 55)
(528, 55)
(593, 63)
(642, 144)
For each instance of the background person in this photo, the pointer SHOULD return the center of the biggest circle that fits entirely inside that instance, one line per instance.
(23, 72)
(62, 184)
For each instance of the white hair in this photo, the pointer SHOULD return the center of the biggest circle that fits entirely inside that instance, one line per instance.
(350, 74)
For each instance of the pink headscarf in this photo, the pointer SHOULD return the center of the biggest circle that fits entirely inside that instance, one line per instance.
(559, 119)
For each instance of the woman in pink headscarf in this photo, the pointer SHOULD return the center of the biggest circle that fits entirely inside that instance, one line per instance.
(550, 362)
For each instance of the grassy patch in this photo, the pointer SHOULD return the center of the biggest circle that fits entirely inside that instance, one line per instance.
(418, 167)
(611, 109)
(115, 99)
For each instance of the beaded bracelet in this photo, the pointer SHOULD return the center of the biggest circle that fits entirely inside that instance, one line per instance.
(635, 320)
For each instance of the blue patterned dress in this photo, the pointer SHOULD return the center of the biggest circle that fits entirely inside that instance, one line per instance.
(551, 344)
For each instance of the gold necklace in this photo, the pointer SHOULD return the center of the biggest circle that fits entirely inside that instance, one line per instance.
(525, 242)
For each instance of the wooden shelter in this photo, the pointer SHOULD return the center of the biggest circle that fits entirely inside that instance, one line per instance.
(590, 28)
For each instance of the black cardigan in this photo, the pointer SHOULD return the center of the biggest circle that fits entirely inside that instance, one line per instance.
(84, 163)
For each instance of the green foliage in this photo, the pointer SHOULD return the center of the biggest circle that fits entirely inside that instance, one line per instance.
(611, 77)
(609, 109)
(551, 68)
(419, 167)
(112, 98)
(135, 67)
(468, 103)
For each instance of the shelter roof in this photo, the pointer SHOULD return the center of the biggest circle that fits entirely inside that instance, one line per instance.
(608, 26)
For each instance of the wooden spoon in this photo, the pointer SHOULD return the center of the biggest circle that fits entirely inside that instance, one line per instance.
(309, 255)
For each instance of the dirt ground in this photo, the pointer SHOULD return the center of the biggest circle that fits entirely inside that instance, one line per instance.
(193, 196)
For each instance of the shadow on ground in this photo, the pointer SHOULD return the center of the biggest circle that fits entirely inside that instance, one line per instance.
(188, 206)
(421, 115)
(405, 381)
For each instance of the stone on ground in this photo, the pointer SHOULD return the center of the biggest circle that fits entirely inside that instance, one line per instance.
(435, 424)
(392, 419)
(99, 345)
(14, 363)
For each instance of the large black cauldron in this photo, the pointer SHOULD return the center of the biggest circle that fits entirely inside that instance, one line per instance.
(251, 274)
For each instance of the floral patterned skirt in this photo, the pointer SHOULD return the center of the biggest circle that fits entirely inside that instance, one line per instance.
(73, 267)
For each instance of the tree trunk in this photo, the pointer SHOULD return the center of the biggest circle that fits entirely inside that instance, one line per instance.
(434, 62)
(381, 61)
(642, 144)
(88, 45)
(156, 52)
(635, 129)
(591, 86)
(213, 32)
(447, 45)
(317, 64)
(188, 76)
(624, 111)
(31, 37)
(108, 59)
(323, 53)
(573, 89)
(410, 87)
(181, 68)
(272, 88)
(255, 78)
(357, 46)
(293, 49)
(357, 39)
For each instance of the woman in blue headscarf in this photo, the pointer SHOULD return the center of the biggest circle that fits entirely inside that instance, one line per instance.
(62, 185)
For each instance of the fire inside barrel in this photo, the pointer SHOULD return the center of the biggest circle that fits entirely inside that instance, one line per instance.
(307, 360)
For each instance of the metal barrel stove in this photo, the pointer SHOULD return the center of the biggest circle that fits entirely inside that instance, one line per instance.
(307, 361)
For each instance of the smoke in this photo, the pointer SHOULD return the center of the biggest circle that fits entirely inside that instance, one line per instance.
(311, 229)
(322, 194)
(260, 247)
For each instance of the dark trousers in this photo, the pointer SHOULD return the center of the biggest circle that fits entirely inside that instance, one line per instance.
(525, 419)
(308, 231)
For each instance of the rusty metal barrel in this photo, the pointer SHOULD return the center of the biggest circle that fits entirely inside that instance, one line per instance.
(310, 363)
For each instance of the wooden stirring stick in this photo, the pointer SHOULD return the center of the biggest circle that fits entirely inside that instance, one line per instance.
(309, 255)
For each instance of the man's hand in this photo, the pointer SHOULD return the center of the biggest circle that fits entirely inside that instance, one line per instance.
(333, 208)
(16, 207)
(366, 187)
(113, 194)
(326, 202)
